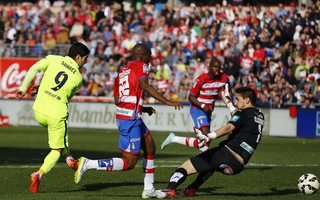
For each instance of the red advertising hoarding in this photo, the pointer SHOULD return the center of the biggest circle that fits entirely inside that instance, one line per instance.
(12, 73)
(4, 120)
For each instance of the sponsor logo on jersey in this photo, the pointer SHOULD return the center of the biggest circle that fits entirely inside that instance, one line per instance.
(247, 147)
(258, 120)
(234, 118)
(52, 95)
(213, 85)
(209, 92)
(145, 69)
(122, 111)
(124, 73)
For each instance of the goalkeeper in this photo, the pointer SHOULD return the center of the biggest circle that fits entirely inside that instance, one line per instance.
(230, 156)
(60, 82)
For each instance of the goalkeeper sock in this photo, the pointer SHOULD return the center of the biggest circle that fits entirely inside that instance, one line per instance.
(178, 177)
(201, 178)
(148, 169)
(50, 161)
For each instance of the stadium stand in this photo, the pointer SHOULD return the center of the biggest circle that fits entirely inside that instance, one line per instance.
(273, 49)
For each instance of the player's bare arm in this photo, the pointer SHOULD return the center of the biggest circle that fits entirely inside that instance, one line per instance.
(143, 82)
(203, 139)
(199, 105)
(116, 99)
(225, 130)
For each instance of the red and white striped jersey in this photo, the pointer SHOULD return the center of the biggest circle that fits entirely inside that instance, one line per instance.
(206, 89)
(127, 88)
(247, 62)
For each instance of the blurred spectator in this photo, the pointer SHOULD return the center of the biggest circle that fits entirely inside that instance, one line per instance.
(162, 73)
(302, 70)
(77, 29)
(50, 43)
(308, 104)
(290, 78)
(262, 101)
(113, 72)
(276, 102)
(246, 63)
(260, 46)
(100, 91)
(316, 91)
(288, 96)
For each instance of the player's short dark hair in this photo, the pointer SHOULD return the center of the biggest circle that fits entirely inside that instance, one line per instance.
(78, 48)
(215, 61)
(247, 92)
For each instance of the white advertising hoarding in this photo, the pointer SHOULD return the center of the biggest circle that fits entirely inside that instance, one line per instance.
(102, 116)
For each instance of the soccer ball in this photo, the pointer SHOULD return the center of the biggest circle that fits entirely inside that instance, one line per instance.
(308, 183)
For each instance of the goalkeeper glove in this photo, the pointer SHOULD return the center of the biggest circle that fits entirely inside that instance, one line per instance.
(203, 139)
(225, 95)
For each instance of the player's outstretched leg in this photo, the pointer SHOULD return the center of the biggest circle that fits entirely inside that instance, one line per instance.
(82, 168)
(168, 140)
(35, 182)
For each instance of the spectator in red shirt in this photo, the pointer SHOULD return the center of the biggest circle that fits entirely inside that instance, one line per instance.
(259, 56)
(246, 63)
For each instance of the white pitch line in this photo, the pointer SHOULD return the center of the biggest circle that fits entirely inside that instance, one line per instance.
(168, 166)
(280, 165)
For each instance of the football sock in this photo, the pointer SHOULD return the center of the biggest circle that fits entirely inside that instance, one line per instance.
(148, 169)
(41, 173)
(178, 177)
(111, 164)
(187, 141)
(50, 161)
(69, 157)
(201, 178)
(66, 152)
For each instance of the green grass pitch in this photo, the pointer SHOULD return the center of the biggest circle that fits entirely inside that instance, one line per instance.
(272, 173)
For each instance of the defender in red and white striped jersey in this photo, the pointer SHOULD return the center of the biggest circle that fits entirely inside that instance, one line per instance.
(202, 96)
(129, 88)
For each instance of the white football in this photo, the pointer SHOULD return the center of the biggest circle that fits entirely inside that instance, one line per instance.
(308, 183)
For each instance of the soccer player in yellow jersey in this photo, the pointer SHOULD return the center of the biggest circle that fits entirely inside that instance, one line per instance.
(60, 81)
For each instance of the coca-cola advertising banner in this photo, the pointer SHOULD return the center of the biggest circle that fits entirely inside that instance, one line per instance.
(12, 73)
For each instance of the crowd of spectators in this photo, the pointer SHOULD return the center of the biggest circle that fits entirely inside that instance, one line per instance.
(276, 51)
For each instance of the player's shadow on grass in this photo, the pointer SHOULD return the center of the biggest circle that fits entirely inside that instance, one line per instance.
(36, 155)
(33, 155)
(102, 186)
(214, 191)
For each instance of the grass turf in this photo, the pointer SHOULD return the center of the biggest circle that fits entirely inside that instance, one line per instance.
(272, 172)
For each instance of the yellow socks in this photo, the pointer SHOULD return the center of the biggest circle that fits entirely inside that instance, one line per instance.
(50, 161)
